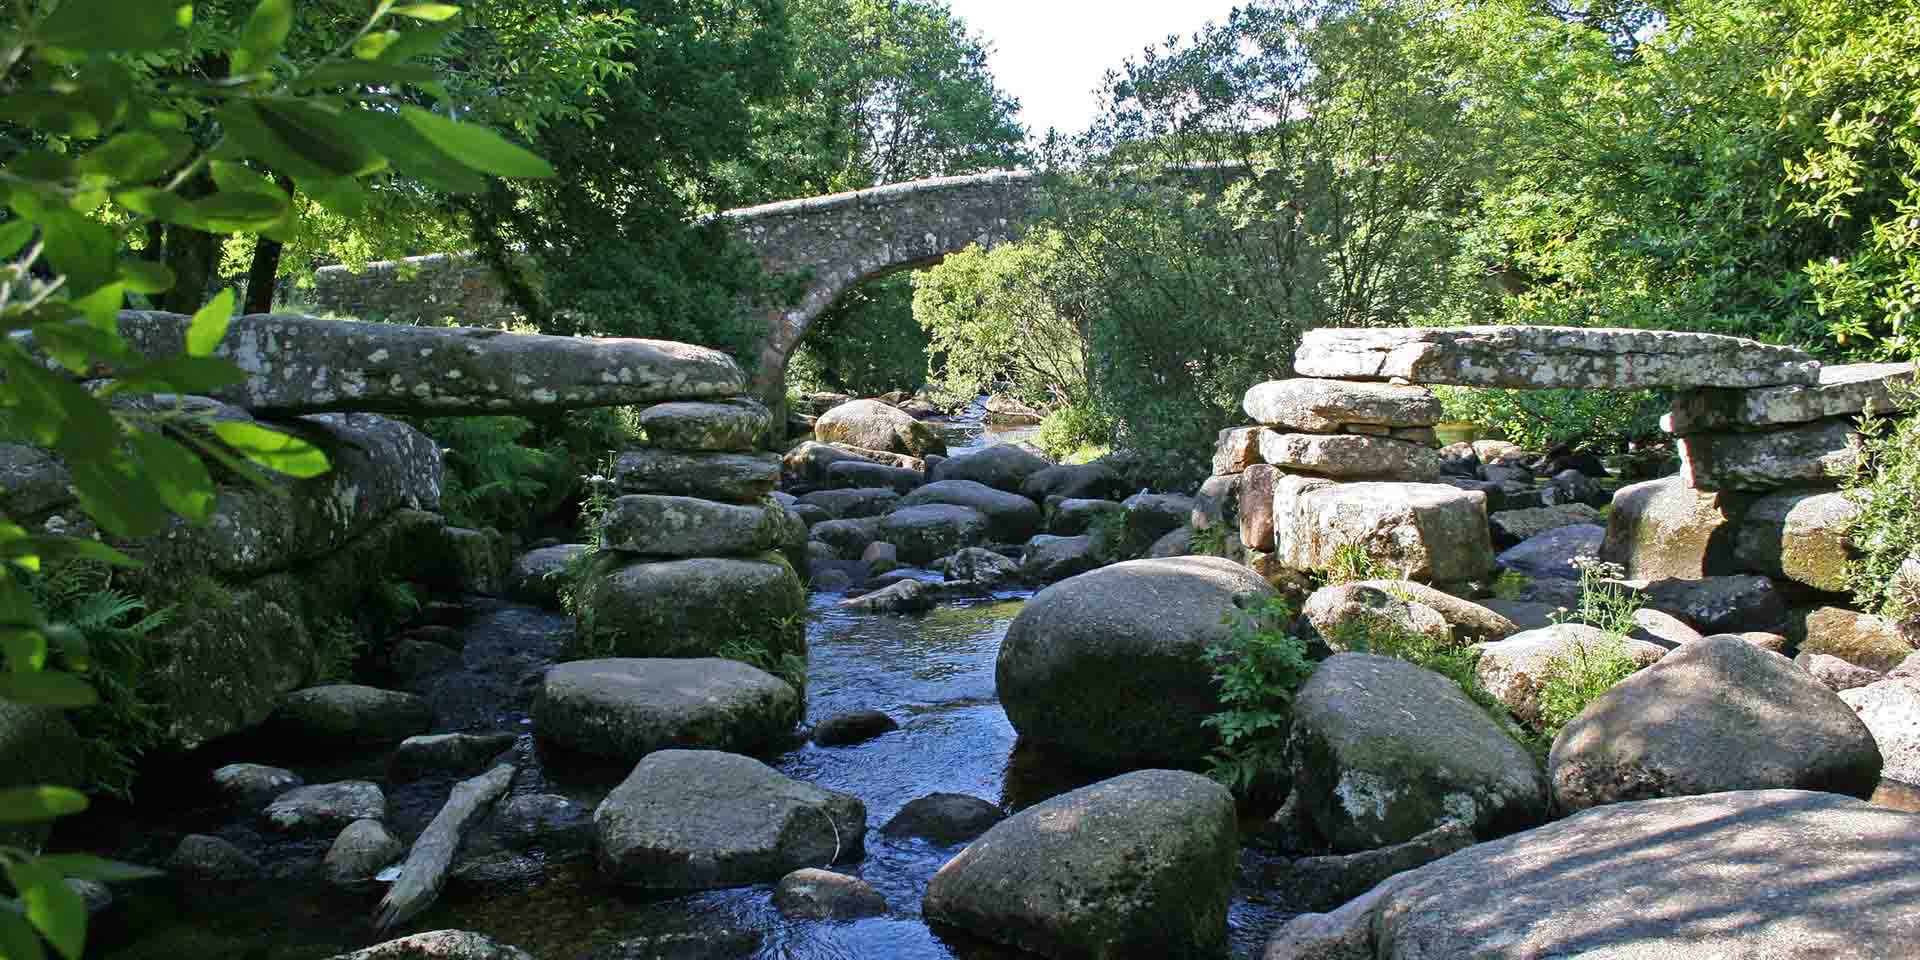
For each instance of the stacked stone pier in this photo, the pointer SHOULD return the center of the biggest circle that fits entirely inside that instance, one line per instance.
(1341, 456)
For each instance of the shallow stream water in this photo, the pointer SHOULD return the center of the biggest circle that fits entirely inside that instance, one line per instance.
(933, 673)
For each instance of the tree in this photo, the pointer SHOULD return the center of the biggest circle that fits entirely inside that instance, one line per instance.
(104, 132)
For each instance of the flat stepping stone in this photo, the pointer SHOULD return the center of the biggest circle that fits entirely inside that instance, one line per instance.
(736, 424)
(297, 365)
(1843, 390)
(624, 709)
(666, 526)
(1350, 456)
(1541, 358)
(1328, 406)
(728, 477)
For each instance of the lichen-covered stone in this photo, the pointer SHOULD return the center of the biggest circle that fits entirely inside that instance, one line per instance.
(704, 819)
(1049, 558)
(1382, 751)
(1844, 389)
(1816, 454)
(1237, 449)
(1011, 518)
(1349, 456)
(737, 424)
(1715, 715)
(1515, 669)
(1799, 535)
(1539, 358)
(326, 807)
(1891, 710)
(624, 709)
(694, 607)
(1862, 639)
(219, 670)
(536, 574)
(1425, 531)
(877, 426)
(343, 714)
(728, 477)
(690, 527)
(1083, 481)
(1327, 406)
(1141, 865)
(1002, 466)
(854, 473)
(928, 531)
(298, 364)
(1664, 528)
(1512, 526)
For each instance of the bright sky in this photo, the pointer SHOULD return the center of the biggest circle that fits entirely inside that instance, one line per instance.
(1052, 53)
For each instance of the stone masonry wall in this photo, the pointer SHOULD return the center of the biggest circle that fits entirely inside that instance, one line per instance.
(428, 290)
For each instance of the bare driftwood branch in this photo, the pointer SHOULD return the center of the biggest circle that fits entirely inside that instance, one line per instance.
(424, 873)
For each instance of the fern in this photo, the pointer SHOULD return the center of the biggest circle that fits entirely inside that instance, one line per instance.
(492, 479)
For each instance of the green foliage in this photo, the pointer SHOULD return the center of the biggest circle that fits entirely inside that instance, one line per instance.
(999, 315)
(1108, 531)
(1605, 604)
(115, 629)
(1572, 681)
(867, 345)
(1071, 432)
(398, 601)
(493, 479)
(116, 140)
(755, 645)
(337, 646)
(1884, 488)
(1259, 666)
(1511, 584)
(1601, 420)
(1209, 541)
(1352, 563)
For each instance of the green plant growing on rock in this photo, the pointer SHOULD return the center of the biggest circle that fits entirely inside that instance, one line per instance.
(1389, 638)
(1604, 602)
(1210, 540)
(1352, 563)
(1109, 535)
(336, 647)
(1573, 680)
(1884, 488)
(1259, 666)
(753, 649)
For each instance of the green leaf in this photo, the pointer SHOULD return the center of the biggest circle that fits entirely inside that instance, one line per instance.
(154, 202)
(371, 45)
(414, 43)
(47, 688)
(14, 235)
(17, 939)
(476, 146)
(113, 25)
(179, 374)
(136, 156)
(52, 906)
(298, 138)
(56, 412)
(245, 211)
(364, 75)
(98, 868)
(82, 249)
(177, 476)
(26, 650)
(415, 156)
(276, 451)
(75, 346)
(210, 325)
(435, 12)
(102, 309)
(265, 33)
(116, 500)
(145, 276)
(77, 548)
(341, 195)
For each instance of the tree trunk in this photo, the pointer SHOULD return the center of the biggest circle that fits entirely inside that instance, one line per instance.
(265, 269)
(192, 255)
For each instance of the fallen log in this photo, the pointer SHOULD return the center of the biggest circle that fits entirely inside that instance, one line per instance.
(424, 874)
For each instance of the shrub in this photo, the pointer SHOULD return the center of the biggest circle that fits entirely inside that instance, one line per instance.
(1259, 667)
(492, 478)
(1073, 429)
(1601, 420)
(1885, 490)
(868, 344)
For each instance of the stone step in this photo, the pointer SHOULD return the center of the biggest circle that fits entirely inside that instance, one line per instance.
(298, 364)
(1539, 358)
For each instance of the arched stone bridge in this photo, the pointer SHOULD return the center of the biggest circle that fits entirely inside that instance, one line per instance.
(846, 239)
(838, 241)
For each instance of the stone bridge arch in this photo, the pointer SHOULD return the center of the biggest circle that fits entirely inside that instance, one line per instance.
(846, 239)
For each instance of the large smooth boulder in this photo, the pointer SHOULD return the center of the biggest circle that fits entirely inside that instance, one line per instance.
(727, 477)
(1809, 455)
(703, 820)
(1891, 710)
(326, 807)
(346, 714)
(1515, 669)
(1072, 518)
(1136, 632)
(1425, 531)
(692, 608)
(806, 465)
(1798, 535)
(1351, 617)
(855, 474)
(1079, 481)
(1552, 552)
(297, 364)
(929, 531)
(1150, 516)
(360, 851)
(736, 424)
(849, 539)
(1540, 358)
(689, 527)
(978, 565)
(1050, 559)
(947, 819)
(1716, 604)
(877, 426)
(1664, 528)
(1843, 389)
(1383, 751)
(1775, 874)
(1011, 518)
(1513, 526)
(1717, 714)
(1325, 406)
(1002, 466)
(1141, 865)
(1349, 456)
(815, 894)
(624, 709)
